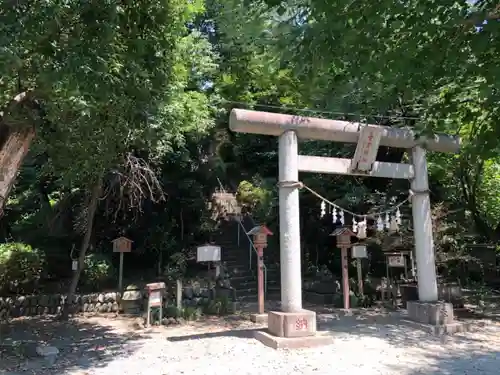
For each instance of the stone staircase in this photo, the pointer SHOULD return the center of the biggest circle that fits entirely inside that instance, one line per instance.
(237, 261)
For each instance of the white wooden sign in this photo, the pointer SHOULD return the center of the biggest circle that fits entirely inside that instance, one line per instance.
(208, 253)
(155, 298)
(396, 261)
(366, 149)
(359, 251)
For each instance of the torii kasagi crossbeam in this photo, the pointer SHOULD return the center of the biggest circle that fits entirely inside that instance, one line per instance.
(289, 129)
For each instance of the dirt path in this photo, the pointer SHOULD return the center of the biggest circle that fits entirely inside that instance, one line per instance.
(373, 342)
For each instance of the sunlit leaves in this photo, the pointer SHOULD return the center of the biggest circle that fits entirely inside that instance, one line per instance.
(103, 73)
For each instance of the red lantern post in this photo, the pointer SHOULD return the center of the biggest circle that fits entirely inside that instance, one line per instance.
(344, 242)
(260, 234)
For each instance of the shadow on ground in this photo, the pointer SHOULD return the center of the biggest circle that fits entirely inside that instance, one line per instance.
(82, 345)
(464, 362)
(391, 327)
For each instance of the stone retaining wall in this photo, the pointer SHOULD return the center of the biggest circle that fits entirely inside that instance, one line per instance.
(13, 307)
(195, 293)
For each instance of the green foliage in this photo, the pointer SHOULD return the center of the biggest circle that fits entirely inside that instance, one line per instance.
(257, 199)
(108, 78)
(176, 267)
(21, 267)
(489, 192)
(158, 78)
(218, 306)
(172, 312)
(191, 313)
(98, 270)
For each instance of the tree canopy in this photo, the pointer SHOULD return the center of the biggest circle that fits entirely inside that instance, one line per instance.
(130, 103)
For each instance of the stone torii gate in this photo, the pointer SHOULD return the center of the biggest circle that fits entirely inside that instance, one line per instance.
(294, 326)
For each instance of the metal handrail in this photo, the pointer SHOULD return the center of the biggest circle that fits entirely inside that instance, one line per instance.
(250, 242)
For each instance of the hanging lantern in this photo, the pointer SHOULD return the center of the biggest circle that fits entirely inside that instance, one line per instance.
(394, 225)
(323, 208)
(362, 230)
(380, 224)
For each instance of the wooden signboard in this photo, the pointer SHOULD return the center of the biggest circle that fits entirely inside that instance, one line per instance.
(155, 298)
(396, 261)
(122, 245)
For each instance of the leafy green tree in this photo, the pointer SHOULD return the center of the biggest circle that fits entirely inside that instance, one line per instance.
(107, 80)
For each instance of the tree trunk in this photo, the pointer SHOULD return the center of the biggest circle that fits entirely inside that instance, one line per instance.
(12, 153)
(94, 198)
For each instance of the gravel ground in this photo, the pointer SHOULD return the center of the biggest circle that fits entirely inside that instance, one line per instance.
(375, 345)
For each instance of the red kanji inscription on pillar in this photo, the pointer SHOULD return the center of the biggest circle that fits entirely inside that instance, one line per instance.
(301, 324)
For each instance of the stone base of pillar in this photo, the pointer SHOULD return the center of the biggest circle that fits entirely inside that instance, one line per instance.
(435, 317)
(292, 331)
(434, 313)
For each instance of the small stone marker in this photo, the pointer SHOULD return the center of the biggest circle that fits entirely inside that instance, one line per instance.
(131, 301)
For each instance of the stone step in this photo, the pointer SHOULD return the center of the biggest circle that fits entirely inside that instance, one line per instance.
(241, 271)
(242, 277)
(235, 252)
(245, 292)
(251, 297)
(252, 283)
(276, 288)
(233, 261)
(244, 284)
(254, 297)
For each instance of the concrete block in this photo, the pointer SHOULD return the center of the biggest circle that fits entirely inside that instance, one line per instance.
(433, 313)
(259, 318)
(275, 342)
(445, 329)
(292, 324)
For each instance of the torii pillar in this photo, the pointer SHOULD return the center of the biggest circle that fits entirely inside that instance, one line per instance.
(293, 321)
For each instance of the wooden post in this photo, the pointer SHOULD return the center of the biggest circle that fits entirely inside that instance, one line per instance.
(217, 269)
(120, 274)
(178, 295)
(121, 245)
(345, 277)
(260, 278)
(260, 234)
(360, 276)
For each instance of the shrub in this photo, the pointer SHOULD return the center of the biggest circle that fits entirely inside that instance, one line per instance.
(219, 306)
(172, 312)
(257, 199)
(98, 271)
(21, 267)
(191, 313)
